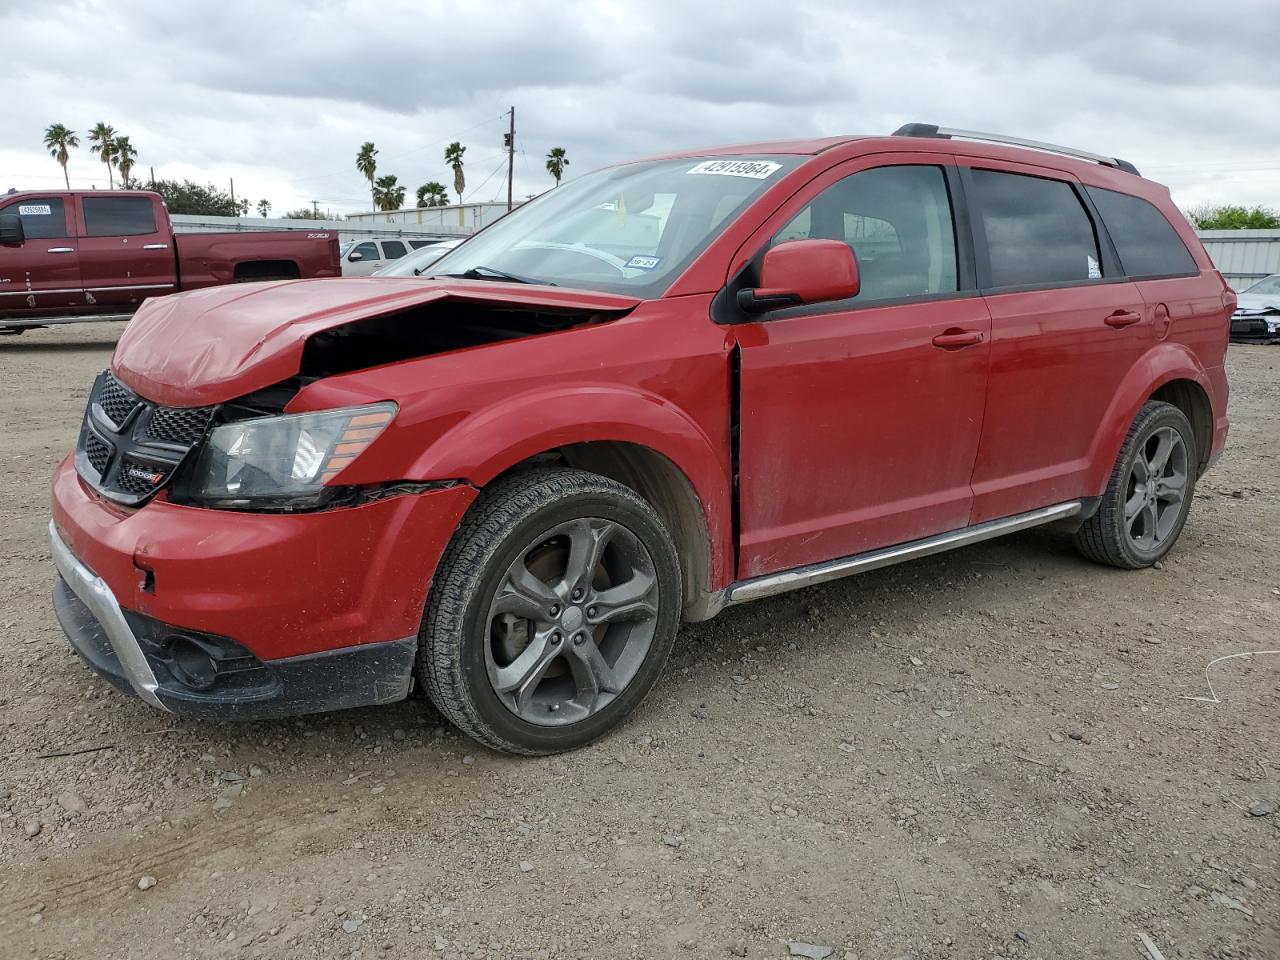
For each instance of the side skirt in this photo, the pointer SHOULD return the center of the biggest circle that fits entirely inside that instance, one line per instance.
(774, 583)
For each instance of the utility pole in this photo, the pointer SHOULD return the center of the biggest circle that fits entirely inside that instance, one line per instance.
(233, 189)
(511, 156)
(153, 179)
(315, 209)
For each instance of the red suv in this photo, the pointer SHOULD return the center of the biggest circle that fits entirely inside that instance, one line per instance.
(659, 389)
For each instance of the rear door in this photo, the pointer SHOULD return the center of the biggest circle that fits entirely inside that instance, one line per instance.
(42, 274)
(860, 419)
(126, 251)
(393, 249)
(1066, 326)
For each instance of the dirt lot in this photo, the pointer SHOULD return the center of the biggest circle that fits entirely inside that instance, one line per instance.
(988, 753)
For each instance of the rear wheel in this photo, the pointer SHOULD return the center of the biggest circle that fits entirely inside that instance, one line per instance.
(1148, 497)
(552, 612)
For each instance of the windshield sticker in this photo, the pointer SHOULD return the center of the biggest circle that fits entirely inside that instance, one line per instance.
(1094, 272)
(753, 169)
(640, 262)
(35, 210)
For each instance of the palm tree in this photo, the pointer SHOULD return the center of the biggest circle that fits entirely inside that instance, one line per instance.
(126, 155)
(60, 141)
(103, 138)
(387, 194)
(367, 165)
(556, 162)
(264, 207)
(453, 157)
(433, 194)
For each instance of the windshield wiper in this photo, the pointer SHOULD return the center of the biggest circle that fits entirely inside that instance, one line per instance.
(489, 273)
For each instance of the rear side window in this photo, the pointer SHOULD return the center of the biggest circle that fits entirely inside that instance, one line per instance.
(1147, 243)
(898, 222)
(1038, 231)
(42, 218)
(392, 249)
(118, 216)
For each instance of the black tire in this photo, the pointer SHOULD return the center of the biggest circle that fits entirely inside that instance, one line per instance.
(1104, 537)
(509, 516)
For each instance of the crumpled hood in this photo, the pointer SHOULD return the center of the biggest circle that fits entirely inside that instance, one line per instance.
(212, 345)
(1257, 301)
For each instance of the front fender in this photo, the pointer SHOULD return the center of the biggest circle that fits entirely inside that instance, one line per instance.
(1161, 364)
(489, 441)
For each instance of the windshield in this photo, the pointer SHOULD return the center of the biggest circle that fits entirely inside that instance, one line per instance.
(1270, 287)
(629, 229)
(415, 264)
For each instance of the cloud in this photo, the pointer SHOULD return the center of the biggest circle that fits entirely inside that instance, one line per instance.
(279, 96)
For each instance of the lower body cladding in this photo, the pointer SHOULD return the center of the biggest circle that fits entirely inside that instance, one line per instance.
(245, 616)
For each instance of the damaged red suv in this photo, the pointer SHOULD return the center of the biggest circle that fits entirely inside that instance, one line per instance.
(662, 388)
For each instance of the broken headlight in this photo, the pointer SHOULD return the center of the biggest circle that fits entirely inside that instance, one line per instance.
(283, 462)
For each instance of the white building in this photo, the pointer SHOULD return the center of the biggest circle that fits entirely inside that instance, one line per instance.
(1243, 256)
(458, 220)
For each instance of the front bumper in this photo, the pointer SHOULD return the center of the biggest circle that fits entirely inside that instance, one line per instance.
(307, 612)
(128, 650)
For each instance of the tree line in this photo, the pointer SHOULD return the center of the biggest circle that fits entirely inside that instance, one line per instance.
(388, 193)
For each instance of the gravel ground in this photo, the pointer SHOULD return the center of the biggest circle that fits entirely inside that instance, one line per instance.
(988, 753)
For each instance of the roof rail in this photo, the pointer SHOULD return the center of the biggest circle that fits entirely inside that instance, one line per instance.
(946, 133)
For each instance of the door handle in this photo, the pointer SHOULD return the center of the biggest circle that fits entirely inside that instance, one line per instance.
(62, 249)
(155, 246)
(1122, 318)
(953, 339)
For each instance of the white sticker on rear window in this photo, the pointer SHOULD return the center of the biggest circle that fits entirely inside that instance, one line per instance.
(642, 262)
(1094, 272)
(35, 210)
(754, 169)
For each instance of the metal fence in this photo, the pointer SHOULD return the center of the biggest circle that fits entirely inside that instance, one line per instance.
(347, 230)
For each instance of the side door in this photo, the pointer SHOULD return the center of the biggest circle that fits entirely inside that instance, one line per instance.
(42, 274)
(1066, 326)
(362, 259)
(859, 420)
(126, 251)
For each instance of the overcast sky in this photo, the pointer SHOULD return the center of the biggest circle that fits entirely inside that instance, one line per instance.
(280, 95)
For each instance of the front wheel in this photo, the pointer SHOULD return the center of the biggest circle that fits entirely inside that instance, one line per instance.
(1149, 494)
(552, 612)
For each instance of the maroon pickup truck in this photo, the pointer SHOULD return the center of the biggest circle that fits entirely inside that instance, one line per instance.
(72, 255)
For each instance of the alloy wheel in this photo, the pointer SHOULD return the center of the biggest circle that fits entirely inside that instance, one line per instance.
(571, 622)
(1156, 489)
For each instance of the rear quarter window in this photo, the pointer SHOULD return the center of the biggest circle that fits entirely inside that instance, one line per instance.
(119, 216)
(1147, 243)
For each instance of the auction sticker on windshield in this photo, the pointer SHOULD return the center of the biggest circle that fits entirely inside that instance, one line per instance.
(34, 210)
(641, 262)
(755, 169)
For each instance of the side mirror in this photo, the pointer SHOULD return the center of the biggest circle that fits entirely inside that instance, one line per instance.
(803, 271)
(11, 232)
(353, 256)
